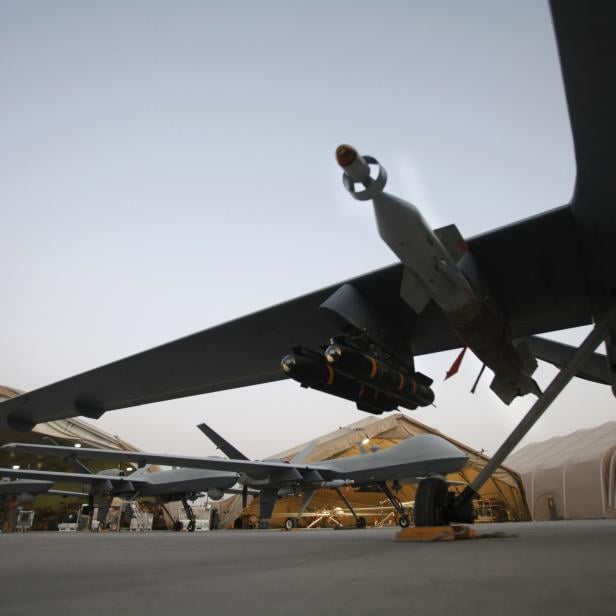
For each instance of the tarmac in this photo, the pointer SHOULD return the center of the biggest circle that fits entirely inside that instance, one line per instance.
(546, 568)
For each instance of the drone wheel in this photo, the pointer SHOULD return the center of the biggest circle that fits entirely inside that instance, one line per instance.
(430, 502)
(289, 524)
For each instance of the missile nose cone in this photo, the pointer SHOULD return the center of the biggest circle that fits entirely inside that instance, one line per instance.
(288, 363)
(332, 353)
(345, 155)
(356, 170)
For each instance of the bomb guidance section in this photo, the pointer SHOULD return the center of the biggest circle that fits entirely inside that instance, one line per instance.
(440, 268)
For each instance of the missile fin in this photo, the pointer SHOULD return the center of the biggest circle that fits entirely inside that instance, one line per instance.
(507, 389)
(423, 379)
(452, 240)
(375, 410)
(529, 362)
(413, 292)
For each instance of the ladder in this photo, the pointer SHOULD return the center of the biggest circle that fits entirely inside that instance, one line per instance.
(141, 520)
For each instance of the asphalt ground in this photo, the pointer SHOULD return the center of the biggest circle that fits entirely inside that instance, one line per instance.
(547, 568)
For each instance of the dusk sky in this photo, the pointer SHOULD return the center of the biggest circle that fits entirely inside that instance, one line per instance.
(168, 166)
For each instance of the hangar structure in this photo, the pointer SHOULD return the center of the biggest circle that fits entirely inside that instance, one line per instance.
(51, 508)
(501, 498)
(67, 431)
(570, 477)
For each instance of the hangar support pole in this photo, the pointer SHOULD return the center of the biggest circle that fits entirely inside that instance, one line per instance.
(568, 371)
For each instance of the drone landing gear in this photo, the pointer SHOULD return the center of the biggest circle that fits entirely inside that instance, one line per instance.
(190, 514)
(404, 520)
(90, 509)
(431, 502)
(290, 523)
(568, 371)
(360, 522)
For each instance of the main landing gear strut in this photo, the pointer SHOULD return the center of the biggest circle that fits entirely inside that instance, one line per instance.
(461, 505)
(190, 514)
(359, 521)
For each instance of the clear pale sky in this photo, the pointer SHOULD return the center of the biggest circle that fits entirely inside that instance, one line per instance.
(168, 166)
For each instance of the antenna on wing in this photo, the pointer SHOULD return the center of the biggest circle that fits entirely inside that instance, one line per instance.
(229, 450)
(474, 387)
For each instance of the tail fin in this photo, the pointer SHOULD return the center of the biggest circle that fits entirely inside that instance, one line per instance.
(300, 456)
(229, 450)
(308, 494)
(141, 470)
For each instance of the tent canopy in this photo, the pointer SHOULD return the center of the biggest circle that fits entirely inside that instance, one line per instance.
(572, 476)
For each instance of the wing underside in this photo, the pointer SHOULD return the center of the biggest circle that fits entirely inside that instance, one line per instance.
(80, 478)
(254, 468)
(533, 269)
(11, 488)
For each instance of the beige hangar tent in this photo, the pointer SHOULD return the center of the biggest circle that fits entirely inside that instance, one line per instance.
(570, 477)
(50, 508)
(64, 431)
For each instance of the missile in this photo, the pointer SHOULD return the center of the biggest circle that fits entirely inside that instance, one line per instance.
(439, 267)
(409, 388)
(337, 483)
(311, 370)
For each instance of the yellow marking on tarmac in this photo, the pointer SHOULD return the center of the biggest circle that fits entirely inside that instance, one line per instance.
(436, 533)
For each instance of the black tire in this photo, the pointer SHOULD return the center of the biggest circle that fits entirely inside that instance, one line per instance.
(404, 521)
(289, 524)
(361, 522)
(430, 502)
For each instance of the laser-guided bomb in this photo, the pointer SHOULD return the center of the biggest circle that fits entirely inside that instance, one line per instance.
(439, 267)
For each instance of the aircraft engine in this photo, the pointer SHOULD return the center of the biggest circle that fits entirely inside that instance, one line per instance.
(215, 493)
